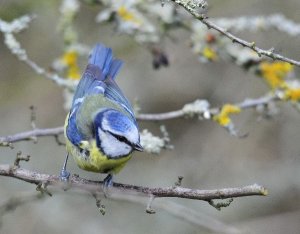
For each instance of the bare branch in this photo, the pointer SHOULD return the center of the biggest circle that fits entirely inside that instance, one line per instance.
(246, 104)
(161, 116)
(31, 135)
(50, 75)
(193, 10)
(96, 186)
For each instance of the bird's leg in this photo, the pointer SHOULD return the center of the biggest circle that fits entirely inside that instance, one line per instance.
(64, 174)
(107, 183)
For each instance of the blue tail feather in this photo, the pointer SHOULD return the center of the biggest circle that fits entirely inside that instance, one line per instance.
(101, 70)
(115, 67)
(102, 57)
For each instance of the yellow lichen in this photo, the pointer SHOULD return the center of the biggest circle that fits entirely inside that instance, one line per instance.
(126, 15)
(275, 72)
(265, 192)
(209, 53)
(70, 59)
(223, 117)
(292, 94)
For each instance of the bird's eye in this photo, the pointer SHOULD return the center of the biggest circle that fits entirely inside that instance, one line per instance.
(121, 138)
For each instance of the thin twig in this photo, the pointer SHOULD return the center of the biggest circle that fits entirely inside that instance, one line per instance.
(67, 83)
(149, 209)
(92, 186)
(193, 10)
(246, 104)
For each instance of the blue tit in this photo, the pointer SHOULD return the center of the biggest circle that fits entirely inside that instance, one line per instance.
(101, 130)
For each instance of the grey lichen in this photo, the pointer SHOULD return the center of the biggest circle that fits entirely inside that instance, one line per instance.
(199, 108)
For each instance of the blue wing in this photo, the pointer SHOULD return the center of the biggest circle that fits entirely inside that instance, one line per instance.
(113, 92)
(72, 131)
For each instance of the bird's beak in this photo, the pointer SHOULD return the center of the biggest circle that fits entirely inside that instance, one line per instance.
(138, 147)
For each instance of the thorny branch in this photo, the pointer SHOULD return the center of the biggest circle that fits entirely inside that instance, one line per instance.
(96, 186)
(193, 9)
(33, 134)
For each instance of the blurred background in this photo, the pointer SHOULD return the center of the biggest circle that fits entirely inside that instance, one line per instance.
(204, 153)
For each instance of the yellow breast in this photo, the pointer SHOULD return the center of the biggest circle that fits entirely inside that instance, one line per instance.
(95, 160)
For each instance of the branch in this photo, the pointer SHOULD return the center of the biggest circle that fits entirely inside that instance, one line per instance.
(193, 8)
(49, 75)
(33, 134)
(37, 178)
(246, 104)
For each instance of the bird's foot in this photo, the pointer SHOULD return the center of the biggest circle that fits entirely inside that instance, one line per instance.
(107, 183)
(64, 175)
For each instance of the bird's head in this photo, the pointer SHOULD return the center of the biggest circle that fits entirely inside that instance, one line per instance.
(117, 135)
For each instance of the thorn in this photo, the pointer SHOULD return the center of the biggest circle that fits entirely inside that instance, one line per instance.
(99, 205)
(179, 181)
(271, 50)
(19, 158)
(42, 187)
(149, 209)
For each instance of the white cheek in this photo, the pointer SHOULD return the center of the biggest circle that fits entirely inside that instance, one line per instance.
(111, 146)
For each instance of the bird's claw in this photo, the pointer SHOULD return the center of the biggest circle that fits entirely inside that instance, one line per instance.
(64, 175)
(107, 183)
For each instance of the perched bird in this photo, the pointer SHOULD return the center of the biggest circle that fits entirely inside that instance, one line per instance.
(100, 130)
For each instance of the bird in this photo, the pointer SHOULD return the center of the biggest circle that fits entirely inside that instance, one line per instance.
(100, 130)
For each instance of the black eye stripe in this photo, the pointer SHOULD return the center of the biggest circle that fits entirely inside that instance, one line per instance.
(121, 138)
